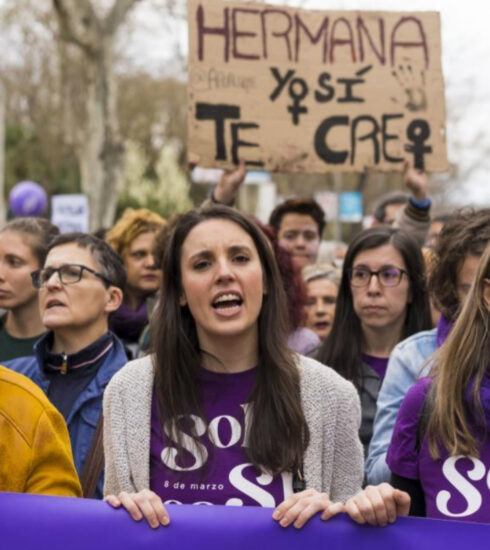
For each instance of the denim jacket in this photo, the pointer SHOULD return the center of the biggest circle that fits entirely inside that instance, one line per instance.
(86, 410)
(408, 362)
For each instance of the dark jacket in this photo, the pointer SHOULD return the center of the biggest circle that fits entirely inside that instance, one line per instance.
(86, 410)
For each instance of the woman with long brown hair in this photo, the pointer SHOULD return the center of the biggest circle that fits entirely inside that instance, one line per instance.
(382, 300)
(224, 412)
(440, 450)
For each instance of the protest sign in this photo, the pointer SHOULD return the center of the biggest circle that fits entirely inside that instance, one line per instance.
(33, 522)
(70, 212)
(350, 206)
(291, 90)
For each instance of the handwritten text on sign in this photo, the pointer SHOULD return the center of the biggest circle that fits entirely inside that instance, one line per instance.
(310, 91)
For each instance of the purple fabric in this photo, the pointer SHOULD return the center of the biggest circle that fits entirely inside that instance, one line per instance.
(444, 327)
(222, 474)
(485, 403)
(378, 364)
(454, 487)
(128, 324)
(303, 340)
(34, 522)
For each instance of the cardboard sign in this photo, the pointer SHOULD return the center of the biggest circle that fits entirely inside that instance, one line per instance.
(291, 90)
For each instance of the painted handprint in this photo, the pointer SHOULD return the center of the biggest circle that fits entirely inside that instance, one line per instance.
(412, 82)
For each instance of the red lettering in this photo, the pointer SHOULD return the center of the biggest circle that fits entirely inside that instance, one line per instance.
(404, 44)
(284, 33)
(241, 34)
(342, 41)
(362, 29)
(220, 31)
(314, 39)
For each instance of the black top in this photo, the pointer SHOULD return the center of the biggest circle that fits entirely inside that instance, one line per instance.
(69, 375)
(414, 489)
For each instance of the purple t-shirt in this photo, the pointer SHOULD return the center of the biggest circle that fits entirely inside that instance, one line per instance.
(221, 473)
(378, 364)
(455, 487)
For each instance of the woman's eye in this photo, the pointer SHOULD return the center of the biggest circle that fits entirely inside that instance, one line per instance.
(241, 258)
(390, 274)
(200, 265)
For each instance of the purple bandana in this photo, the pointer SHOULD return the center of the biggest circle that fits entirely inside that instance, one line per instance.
(444, 327)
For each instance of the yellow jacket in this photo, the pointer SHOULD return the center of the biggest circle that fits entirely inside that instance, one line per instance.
(35, 450)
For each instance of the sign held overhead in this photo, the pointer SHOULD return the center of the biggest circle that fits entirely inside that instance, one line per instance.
(290, 90)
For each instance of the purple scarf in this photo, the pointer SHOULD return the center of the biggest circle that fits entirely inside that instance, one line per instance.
(127, 323)
(475, 419)
(444, 326)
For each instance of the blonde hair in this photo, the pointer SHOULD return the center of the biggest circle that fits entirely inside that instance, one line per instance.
(132, 224)
(463, 360)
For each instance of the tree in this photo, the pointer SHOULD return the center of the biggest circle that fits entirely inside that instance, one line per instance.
(101, 149)
(3, 209)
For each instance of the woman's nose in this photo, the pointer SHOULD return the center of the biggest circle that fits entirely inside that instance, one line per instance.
(225, 270)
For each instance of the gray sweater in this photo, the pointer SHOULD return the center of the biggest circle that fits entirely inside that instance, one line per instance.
(333, 461)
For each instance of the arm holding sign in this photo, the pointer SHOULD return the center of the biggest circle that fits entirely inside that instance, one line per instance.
(414, 218)
(378, 505)
(227, 189)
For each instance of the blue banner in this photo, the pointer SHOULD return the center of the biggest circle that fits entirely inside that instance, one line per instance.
(350, 206)
(30, 522)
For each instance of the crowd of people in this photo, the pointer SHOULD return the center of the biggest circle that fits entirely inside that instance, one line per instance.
(213, 359)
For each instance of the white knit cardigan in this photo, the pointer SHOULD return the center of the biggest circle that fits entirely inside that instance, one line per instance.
(333, 462)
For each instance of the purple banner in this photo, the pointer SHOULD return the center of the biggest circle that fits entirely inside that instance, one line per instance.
(30, 522)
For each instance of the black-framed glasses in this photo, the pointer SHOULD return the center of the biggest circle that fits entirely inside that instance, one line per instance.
(387, 276)
(68, 274)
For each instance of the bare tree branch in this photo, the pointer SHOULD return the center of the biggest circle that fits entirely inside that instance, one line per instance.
(78, 21)
(117, 14)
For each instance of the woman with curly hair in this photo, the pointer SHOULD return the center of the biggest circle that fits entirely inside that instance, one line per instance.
(133, 238)
(462, 241)
(300, 339)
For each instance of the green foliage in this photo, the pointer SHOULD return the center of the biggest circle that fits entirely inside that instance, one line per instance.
(165, 192)
(27, 159)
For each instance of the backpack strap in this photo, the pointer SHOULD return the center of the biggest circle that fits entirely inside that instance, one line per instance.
(424, 418)
(94, 463)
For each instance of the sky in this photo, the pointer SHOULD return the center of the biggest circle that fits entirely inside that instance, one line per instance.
(465, 58)
(151, 39)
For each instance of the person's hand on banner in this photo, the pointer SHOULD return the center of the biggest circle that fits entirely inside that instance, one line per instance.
(226, 190)
(416, 181)
(378, 505)
(145, 504)
(298, 508)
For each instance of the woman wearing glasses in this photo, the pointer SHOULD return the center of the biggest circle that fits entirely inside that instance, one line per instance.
(79, 286)
(382, 300)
